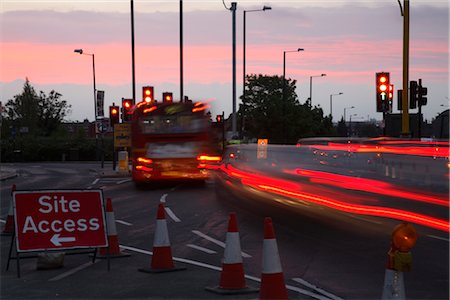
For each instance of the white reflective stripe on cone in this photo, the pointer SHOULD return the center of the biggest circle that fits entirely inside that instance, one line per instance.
(111, 223)
(394, 287)
(271, 258)
(232, 249)
(161, 234)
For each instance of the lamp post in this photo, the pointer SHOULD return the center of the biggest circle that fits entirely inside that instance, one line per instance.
(93, 70)
(310, 86)
(351, 107)
(331, 103)
(80, 51)
(284, 88)
(243, 60)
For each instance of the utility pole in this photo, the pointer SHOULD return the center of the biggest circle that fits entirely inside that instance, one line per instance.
(181, 51)
(233, 118)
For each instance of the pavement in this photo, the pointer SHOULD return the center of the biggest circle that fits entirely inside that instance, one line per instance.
(7, 172)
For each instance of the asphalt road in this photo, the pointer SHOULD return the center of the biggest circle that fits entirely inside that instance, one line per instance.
(339, 254)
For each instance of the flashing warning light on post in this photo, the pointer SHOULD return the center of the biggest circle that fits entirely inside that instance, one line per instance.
(147, 94)
(167, 97)
(404, 237)
(127, 104)
(382, 91)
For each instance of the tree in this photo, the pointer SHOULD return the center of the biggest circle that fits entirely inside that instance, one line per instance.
(36, 114)
(268, 115)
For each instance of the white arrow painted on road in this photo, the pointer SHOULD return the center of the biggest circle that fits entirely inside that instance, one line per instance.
(56, 240)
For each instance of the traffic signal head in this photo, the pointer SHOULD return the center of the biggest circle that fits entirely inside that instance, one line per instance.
(422, 93)
(390, 97)
(219, 118)
(167, 97)
(113, 115)
(127, 105)
(382, 91)
(147, 94)
(413, 94)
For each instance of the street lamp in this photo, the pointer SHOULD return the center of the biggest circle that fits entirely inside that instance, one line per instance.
(283, 90)
(244, 73)
(345, 120)
(331, 103)
(310, 86)
(93, 69)
(95, 103)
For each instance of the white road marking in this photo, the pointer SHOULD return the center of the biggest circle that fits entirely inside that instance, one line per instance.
(123, 181)
(172, 215)
(438, 238)
(74, 270)
(312, 286)
(163, 198)
(2, 221)
(123, 222)
(211, 267)
(364, 219)
(213, 240)
(95, 181)
(206, 250)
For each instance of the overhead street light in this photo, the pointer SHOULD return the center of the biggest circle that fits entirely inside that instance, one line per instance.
(310, 86)
(345, 120)
(283, 96)
(331, 103)
(244, 56)
(81, 52)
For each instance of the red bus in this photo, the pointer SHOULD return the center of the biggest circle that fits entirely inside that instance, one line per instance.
(171, 141)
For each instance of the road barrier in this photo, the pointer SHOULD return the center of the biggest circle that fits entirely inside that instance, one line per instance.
(272, 278)
(9, 225)
(232, 277)
(113, 249)
(162, 260)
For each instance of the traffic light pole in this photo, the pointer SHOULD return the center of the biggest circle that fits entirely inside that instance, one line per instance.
(419, 117)
(405, 112)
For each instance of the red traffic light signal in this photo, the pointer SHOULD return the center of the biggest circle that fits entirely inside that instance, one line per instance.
(167, 97)
(113, 115)
(147, 94)
(127, 105)
(219, 118)
(382, 91)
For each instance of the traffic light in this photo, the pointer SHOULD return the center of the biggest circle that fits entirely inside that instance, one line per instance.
(219, 118)
(113, 115)
(127, 105)
(382, 91)
(390, 97)
(421, 94)
(413, 94)
(399, 99)
(167, 97)
(147, 94)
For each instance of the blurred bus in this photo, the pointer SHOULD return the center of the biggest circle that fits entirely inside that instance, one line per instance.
(171, 141)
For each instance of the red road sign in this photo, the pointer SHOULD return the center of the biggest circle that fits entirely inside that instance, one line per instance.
(59, 219)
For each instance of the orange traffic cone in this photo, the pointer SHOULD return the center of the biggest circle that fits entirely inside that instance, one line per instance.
(113, 241)
(162, 254)
(232, 278)
(272, 278)
(9, 225)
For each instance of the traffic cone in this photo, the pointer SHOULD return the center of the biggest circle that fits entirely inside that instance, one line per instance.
(9, 225)
(272, 278)
(113, 240)
(232, 278)
(162, 254)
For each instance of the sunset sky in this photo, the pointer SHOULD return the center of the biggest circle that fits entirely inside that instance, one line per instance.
(348, 40)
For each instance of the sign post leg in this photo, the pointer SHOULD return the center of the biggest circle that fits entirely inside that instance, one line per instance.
(10, 250)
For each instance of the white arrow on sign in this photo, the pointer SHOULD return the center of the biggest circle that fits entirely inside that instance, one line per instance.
(56, 240)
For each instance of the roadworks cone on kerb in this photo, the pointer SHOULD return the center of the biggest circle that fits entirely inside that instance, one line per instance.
(232, 278)
(113, 240)
(272, 278)
(9, 225)
(162, 254)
